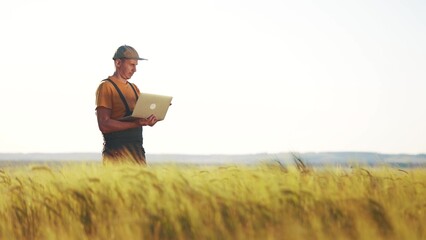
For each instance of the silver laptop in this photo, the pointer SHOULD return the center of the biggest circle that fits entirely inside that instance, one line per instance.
(150, 104)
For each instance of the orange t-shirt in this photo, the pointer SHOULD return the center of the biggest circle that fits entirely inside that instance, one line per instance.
(108, 97)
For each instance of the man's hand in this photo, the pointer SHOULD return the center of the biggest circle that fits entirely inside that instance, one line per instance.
(150, 121)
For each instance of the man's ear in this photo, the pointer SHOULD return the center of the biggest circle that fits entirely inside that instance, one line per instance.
(117, 63)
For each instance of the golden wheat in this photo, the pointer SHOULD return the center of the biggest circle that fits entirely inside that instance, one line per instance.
(92, 201)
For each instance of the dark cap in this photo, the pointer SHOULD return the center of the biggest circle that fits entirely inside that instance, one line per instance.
(127, 52)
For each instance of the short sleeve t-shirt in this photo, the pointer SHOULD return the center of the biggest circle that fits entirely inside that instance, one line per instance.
(108, 97)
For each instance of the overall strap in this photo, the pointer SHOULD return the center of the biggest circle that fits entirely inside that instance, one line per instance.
(128, 112)
(134, 90)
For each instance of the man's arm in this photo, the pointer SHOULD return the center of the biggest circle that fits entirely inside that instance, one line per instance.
(107, 124)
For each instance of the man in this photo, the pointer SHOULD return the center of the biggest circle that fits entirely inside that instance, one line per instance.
(115, 98)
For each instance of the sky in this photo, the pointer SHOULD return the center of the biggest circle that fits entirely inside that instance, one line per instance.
(246, 76)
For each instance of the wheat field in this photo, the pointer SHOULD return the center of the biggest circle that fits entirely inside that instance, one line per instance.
(266, 201)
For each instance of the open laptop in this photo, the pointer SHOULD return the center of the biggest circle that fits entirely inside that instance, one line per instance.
(150, 104)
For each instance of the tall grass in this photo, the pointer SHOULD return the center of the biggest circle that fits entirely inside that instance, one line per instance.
(90, 201)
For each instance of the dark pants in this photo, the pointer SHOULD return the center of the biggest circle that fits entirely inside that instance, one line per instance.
(124, 146)
(133, 153)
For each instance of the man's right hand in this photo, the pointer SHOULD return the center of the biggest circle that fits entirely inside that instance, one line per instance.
(150, 121)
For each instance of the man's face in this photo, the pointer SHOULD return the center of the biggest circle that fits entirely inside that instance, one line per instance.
(126, 67)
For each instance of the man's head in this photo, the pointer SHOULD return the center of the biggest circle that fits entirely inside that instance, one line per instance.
(125, 60)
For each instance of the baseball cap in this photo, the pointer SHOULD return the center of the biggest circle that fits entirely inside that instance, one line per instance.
(127, 52)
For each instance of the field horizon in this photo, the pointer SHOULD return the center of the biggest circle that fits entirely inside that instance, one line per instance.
(285, 158)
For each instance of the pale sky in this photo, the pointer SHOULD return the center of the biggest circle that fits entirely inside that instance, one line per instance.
(246, 76)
